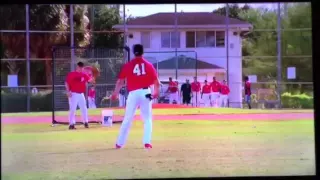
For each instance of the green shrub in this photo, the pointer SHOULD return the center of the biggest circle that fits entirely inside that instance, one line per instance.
(17, 102)
(302, 101)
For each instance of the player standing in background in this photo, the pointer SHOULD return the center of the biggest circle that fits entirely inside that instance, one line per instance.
(139, 75)
(76, 83)
(173, 91)
(247, 91)
(195, 88)
(122, 97)
(178, 93)
(206, 93)
(186, 92)
(215, 88)
(92, 98)
(225, 91)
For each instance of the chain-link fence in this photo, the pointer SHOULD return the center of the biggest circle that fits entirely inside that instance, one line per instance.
(262, 41)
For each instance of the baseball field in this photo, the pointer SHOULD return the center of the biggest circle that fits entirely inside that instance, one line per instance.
(187, 142)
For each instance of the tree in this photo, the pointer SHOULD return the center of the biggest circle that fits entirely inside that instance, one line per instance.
(295, 42)
(234, 10)
(260, 43)
(105, 18)
(46, 18)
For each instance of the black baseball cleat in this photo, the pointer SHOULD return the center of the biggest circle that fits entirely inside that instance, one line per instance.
(86, 125)
(71, 127)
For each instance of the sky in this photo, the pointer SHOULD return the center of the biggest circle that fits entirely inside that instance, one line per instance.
(145, 10)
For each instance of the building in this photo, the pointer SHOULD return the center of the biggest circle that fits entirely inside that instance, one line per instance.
(198, 35)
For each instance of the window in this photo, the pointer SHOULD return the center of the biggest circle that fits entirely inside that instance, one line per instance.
(201, 39)
(220, 38)
(145, 39)
(205, 39)
(210, 39)
(170, 40)
(190, 39)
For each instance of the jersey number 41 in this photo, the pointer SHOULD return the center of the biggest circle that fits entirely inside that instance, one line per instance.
(139, 69)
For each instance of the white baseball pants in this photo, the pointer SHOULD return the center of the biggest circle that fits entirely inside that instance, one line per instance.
(196, 96)
(223, 100)
(77, 99)
(92, 103)
(206, 99)
(215, 99)
(136, 99)
(173, 97)
(122, 100)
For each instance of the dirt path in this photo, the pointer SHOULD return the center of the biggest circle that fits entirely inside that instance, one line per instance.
(230, 117)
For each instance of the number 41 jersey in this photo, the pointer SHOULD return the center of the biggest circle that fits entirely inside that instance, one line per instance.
(139, 73)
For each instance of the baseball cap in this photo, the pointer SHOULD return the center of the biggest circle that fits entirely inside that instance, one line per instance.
(138, 49)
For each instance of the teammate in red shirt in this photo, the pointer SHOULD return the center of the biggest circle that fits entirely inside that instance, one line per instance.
(206, 93)
(215, 88)
(139, 75)
(92, 98)
(225, 91)
(247, 91)
(173, 91)
(76, 82)
(195, 88)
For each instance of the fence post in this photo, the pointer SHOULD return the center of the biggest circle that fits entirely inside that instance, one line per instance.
(227, 46)
(28, 57)
(72, 64)
(92, 29)
(279, 63)
(176, 34)
(125, 52)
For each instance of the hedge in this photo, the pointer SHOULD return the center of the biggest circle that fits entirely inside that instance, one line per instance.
(17, 102)
(288, 100)
(299, 101)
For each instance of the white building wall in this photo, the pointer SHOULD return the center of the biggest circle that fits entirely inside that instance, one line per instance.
(215, 56)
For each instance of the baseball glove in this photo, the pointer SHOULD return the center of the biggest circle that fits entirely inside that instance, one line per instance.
(92, 71)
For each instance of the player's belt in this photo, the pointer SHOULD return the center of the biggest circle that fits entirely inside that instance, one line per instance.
(145, 88)
(76, 92)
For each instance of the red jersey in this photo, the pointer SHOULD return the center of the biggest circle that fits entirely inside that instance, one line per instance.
(247, 88)
(77, 81)
(92, 93)
(173, 87)
(195, 87)
(215, 86)
(206, 89)
(139, 73)
(224, 90)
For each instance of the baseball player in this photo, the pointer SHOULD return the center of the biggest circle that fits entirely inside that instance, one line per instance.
(206, 93)
(173, 91)
(225, 91)
(247, 91)
(215, 88)
(195, 88)
(76, 82)
(122, 97)
(186, 92)
(92, 98)
(139, 75)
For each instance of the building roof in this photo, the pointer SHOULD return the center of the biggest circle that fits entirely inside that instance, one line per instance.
(184, 19)
(185, 62)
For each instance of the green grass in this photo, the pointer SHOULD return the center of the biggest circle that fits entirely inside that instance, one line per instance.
(172, 111)
(181, 149)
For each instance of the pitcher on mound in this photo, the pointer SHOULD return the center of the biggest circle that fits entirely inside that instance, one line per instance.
(139, 75)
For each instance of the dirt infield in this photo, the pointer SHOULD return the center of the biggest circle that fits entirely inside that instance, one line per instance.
(229, 117)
